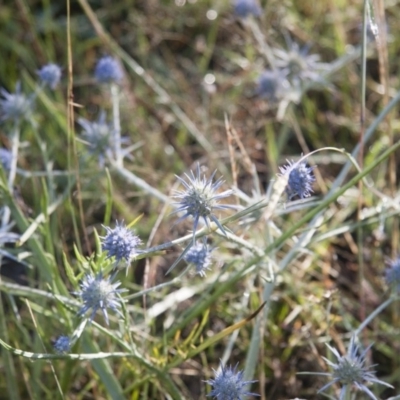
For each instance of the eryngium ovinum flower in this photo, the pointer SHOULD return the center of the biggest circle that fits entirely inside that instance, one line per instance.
(14, 106)
(50, 75)
(298, 65)
(120, 242)
(300, 179)
(108, 70)
(98, 135)
(200, 256)
(5, 159)
(392, 274)
(272, 85)
(99, 293)
(244, 8)
(62, 344)
(350, 369)
(229, 384)
(200, 198)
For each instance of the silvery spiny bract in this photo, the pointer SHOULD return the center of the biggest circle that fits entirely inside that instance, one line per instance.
(350, 369)
(99, 293)
(229, 384)
(200, 198)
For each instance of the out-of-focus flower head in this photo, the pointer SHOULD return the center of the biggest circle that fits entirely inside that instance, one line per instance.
(62, 344)
(200, 256)
(98, 293)
(298, 65)
(244, 8)
(350, 369)
(108, 70)
(199, 198)
(98, 135)
(392, 274)
(272, 85)
(50, 75)
(229, 384)
(5, 158)
(300, 179)
(14, 106)
(120, 242)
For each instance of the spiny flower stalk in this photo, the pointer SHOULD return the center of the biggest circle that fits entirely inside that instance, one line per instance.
(392, 274)
(244, 8)
(300, 179)
(350, 369)
(108, 70)
(120, 242)
(229, 384)
(50, 75)
(200, 198)
(14, 106)
(62, 344)
(99, 293)
(200, 256)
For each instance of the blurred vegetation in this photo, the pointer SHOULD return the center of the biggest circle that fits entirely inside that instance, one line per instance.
(188, 65)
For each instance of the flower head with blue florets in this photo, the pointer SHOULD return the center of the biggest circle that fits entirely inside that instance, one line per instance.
(62, 344)
(99, 293)
(229, 384)
(300, 179)
(108, 70)
(120, 242)
(244, 8)
(350, 369)
(392, 274)
(14, 106)
(50, 74)
(199, 255)
(200, 198)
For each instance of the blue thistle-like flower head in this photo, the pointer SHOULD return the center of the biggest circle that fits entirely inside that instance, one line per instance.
(62, 344)
(244, 8)
(98, 135)
(50, 74)
(271, 85)
(229, 384)
(120, 243)
(14, 106)
(392, 274)
(350, 369)
(300, 179)
(200, 198)
(5, 158)
(99, 293)
(200, 256)
(108, 70)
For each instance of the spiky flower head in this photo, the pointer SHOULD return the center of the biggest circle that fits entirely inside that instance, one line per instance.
(350, 369)
(200, 256)
(229, 384)
(271, 85)
(50, 74)
(62, 344)
(108, 70)
(14, 106)
(244, 8)
(120, 242)
(99, 293)
(200, 198)
(5, 158)
(300, 179)
(392, 274)
(98, 136)
(298, 65)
